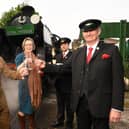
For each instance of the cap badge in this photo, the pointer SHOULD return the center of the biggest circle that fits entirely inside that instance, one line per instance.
(88, 24)
(62, 40)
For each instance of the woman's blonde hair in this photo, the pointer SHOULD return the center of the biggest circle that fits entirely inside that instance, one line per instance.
(24, 41)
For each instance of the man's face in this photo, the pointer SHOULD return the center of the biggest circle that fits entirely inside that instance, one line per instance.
(64, 47)
(91, 36)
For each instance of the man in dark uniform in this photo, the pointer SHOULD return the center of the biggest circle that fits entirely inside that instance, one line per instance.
(97, 80)
(63, 86)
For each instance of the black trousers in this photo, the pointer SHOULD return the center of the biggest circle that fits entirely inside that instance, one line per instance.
(63, 106)
(85, 120)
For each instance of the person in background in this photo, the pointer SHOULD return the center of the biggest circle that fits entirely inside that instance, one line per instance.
(63, 86)
(4, 110)
(30, 89)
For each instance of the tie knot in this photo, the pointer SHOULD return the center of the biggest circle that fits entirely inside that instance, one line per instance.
(90, 49)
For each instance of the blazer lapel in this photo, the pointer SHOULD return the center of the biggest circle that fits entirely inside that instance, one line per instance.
(82, 59)
(97, 51)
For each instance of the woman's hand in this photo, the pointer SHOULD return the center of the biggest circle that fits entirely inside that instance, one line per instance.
(23, 71)
(40, 63)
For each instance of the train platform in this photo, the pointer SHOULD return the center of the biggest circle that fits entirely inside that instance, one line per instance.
(46, 114)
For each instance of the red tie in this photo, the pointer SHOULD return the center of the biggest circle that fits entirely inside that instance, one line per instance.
(63, 54)
(89, 55)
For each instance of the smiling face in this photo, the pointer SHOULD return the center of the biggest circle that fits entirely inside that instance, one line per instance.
(91, 36)
(28, 45)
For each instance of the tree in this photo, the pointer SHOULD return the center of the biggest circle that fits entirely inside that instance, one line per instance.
(8, 15)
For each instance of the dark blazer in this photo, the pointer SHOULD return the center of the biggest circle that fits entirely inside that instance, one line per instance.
(104, 79)
(63, 81)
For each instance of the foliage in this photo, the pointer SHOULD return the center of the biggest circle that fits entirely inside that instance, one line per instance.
(8, 15)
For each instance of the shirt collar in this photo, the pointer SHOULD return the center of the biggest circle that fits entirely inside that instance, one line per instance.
(93, 46)
(66, 52)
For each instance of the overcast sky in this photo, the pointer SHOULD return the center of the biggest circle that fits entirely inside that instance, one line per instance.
(64, 16)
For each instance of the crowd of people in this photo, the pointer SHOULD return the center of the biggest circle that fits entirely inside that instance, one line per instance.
(89, 82)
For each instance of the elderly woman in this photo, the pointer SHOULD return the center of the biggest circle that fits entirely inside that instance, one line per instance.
(30, 90)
